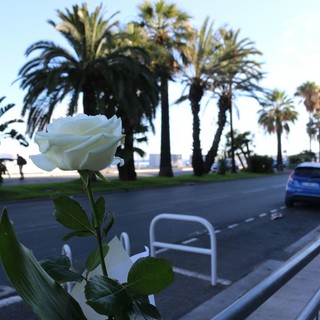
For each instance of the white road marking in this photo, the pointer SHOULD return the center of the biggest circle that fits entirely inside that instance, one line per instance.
(261, 215)
(233, 225)
(189, 240)
(249, 220)
(217, 231)
(198, 275)
(8, 301)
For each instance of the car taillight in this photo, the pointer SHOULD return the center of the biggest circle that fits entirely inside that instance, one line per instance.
(291, 176)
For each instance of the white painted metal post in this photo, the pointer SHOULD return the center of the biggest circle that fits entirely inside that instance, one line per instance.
(66, 250)
(124, 238)
(172, 216)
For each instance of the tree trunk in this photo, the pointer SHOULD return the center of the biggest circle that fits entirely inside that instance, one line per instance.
(224, 103)
(165, 155)
(127, 172)
(89, 101)
(195, 95)
(319, 141)
(239, 157)
(233, 162)
(279, 153)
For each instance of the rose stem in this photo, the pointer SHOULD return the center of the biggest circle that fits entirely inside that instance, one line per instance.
(97, 227)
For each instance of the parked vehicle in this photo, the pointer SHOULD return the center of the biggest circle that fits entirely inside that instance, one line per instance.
(216, 165)
(303, 183)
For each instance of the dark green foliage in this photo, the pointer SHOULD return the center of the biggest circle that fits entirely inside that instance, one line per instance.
(302, 157)
(261, 164)
(223, 168)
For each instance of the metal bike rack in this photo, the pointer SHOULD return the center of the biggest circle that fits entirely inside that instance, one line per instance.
(172, 216)
(66, 251)
(124, 239)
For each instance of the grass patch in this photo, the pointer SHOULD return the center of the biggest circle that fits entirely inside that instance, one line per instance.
(74, 187)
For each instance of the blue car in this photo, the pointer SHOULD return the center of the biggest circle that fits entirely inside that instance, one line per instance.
(303, 183)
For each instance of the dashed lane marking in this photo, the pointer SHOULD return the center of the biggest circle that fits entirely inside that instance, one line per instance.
(8, 301)
(261, 215)
(199, 276)
(231, 226)
(189, 240)
(249, 220)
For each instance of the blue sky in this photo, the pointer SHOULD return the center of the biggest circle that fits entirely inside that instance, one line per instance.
(286, 32)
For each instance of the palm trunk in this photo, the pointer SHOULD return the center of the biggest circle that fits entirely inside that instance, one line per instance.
(279, 153)
(195, 95)
(233, 163)
(240, 160)
(89, 101)
(319, 140)
(224, 103)
(127, 171)
(165, 156)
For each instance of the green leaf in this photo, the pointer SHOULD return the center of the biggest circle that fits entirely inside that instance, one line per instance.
(70, 214)
(101, 209)
(110, 221)
(58, 268)
(45, 297)
(81, 233)
(101, 176)
(144, 310)
(93, 259)
(150, 275)
(107, 296)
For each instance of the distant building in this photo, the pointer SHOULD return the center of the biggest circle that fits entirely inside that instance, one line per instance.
(176, 160)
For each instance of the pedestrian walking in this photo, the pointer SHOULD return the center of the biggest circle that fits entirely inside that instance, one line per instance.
(21, 162)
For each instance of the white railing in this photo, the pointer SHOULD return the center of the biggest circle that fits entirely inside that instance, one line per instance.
(124, 238)
(66, 251)
(209, 251)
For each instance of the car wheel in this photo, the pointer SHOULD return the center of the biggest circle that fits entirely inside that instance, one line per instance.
(289, 202)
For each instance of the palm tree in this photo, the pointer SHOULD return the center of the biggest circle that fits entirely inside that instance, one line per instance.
(197, 78)
(241, 146)
(58, 73)
(239, 73)
(138, 118)
(312, 130)
(111, 78)
(278, 110)
(4, 126)
(168, 29)
(310, 92)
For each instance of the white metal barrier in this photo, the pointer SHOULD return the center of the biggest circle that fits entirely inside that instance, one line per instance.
(172, 216)
(66, 251)
(124, 238)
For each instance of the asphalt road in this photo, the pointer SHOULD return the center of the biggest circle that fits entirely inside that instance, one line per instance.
(240, 211)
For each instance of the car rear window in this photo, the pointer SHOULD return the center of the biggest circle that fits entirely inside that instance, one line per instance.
(308, 172)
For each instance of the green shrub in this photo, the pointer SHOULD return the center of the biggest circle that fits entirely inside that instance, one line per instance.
(223, 168)
(301, 157)
(261, 164)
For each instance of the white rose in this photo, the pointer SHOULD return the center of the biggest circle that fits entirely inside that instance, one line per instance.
(79, 143)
